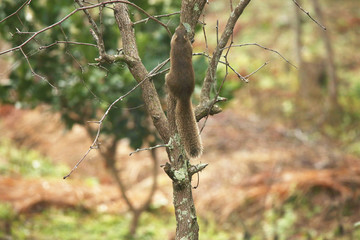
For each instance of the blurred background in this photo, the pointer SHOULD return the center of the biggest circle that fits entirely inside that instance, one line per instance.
(284, 155)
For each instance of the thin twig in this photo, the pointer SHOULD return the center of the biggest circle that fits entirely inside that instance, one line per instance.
(66, 42)
(266, 48)
(17, 10)
(98, 65)
(90, 3)
(151, 17)
(157, 16)
(101, 20)
(222, 84)
(95, 32)
(217, 32)
(206, 42)
(222, 62)
(249, 75)
(149, 148)
(307, 13)
(237, 74)
(231, 10)
(225, 36)
(33, 72)
(78, 63)
(82, 77)
(245, 79)
(21, 32)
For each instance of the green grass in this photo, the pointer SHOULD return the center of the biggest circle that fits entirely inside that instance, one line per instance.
(74, 224)
(25, 162)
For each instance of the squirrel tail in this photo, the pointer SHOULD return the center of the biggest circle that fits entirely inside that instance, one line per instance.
(188, 129)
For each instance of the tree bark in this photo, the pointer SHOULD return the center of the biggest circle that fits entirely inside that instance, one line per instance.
(139, 72)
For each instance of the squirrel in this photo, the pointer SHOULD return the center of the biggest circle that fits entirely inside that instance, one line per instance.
(180, 82)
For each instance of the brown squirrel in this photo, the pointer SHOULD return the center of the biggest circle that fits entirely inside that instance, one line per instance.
(180, 82)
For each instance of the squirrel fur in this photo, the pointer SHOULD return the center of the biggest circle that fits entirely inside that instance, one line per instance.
(180, 82)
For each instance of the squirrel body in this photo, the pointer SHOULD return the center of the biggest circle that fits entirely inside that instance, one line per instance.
(180, 82)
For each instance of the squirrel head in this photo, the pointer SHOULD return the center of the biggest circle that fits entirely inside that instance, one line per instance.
(180, 34)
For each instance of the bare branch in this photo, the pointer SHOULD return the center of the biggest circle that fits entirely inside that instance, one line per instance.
(138, 70)
(157, 16)
(95, 32)
(249, 75)
(14, 13)
(222, 62)
(210, 75)
(90, 3)
(33, 72)
(90, 19)
(21, 32)
(307, 13)
(149, 148)
(202, 110)
(222, 84)
(66, 42)
(266, 48)
(95, 143)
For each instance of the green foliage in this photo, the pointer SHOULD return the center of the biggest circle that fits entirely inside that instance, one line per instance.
(71, 224)
(280, 225)
(7, 217)
(6, 212)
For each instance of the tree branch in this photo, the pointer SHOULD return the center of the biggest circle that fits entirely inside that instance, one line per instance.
(97, 34)
(265, 48)
(197, 168)
(67, 42)
(138, 70)
(157, 16)
(210, 74)
(14, 13)
(307, 13)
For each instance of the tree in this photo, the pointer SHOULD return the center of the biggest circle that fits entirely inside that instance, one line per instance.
(81, 92)
(105, 30)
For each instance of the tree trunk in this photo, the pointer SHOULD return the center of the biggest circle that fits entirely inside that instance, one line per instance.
(187, 226)
(330, 65)
(298, 49)
(179, 171)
